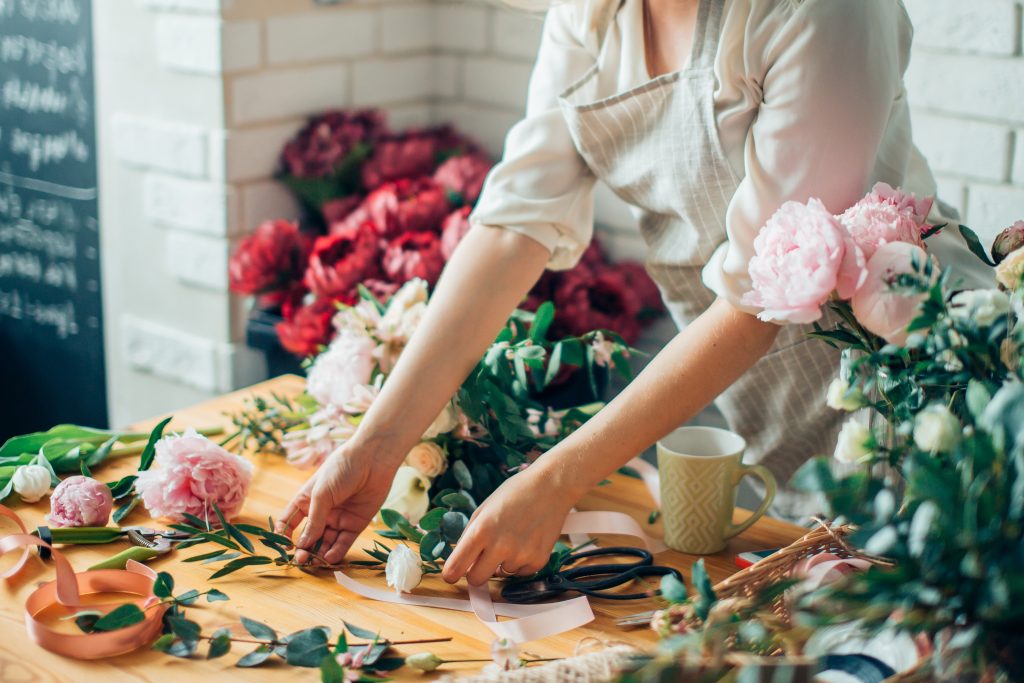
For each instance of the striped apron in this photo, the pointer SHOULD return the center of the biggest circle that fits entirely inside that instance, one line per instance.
(657, 147)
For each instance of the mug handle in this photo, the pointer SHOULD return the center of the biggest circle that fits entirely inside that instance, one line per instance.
(770, 486)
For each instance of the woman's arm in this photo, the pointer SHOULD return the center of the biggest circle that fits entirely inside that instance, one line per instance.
(702, 361)
(489, 274)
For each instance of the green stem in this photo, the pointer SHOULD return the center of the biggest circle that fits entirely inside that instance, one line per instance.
(138, 448)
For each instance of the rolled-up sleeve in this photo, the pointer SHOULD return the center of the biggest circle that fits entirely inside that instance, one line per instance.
(833, 77)
(542, 188)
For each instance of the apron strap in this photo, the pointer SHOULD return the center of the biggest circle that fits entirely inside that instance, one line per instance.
(708, 33)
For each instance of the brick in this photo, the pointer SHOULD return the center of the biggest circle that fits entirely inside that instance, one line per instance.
(252, 153)
(952, 191)
(322, 35)
(197, 6)
(489, 125)
(497, 82)
(169, 353)
(198, 206)
(287, 94)
(990, 208)
(163, 145)
(406, 28)
(197, 260)
(985, 87)
(189, 43)
(388, 81)
(241, 46)
(266, 200)
(980, 26)
(516, 33)
(447, 77)
(460, 27)
(410, 116)
(1018, 158)
(965, 148)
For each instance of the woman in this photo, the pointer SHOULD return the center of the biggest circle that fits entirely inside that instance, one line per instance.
(706, 115)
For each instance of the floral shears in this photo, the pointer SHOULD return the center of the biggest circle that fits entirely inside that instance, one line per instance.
(146, 542)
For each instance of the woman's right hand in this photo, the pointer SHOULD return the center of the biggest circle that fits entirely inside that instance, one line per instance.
(338, 501)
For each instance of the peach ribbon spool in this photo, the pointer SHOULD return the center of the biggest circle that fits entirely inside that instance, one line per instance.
(66, 590)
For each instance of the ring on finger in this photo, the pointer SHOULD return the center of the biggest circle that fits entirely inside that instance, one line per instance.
(504, 573)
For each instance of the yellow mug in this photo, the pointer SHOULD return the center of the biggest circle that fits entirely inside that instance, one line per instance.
(700, 468)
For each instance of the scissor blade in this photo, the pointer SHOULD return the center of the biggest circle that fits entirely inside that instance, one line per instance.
(631, 620)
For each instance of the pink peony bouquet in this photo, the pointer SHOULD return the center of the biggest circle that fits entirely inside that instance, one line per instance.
(191, 474)
(805, 257)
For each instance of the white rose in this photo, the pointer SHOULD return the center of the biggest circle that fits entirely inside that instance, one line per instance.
(841, 398)
(1010, 270)
(403, 571)
(428, 458)
(409, 495)
(31, 482)
(852, 444)
(445, 422)
(983, 306)
(936, 429)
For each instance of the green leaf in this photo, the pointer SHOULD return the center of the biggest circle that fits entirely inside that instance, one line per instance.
(163, 585)
(705, 591)
(216, 538)
(232, 531)
(427, 545)
(31, 443)
(146, 461)
(432, 520)
(235, 565)
(359, 632)
(460, 500)
(331, 671)
(975, 245)
(163, 642)
(214, 595)
(188, 631)
(453, 524)
(462, 474)
(978, 398)
(83, 467)
(341, 645)
(220, 643)
(307, 647)
(258, 629)
(86, 620)
(223, 558)
(672, 589)
(814, 476)
(124, 510)
(188, 597)
(256, 657)
(122, 487)
(196, 522)
(205, 556)
(542, 319)
(554, 364)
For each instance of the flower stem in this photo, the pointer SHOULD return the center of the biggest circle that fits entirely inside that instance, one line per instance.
(136, 449)
(421, 641)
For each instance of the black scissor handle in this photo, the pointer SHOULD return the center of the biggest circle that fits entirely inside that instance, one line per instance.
(600, 589)
(644, 558)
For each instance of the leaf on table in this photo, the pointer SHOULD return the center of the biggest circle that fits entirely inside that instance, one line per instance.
(256, 657)
(234, 533)
(258, 629)
(220, 643)
(185, 629)
(235, 565)
(163, 585)
(188, 597)
(206, 556)
(307, 647)
(359, 632)
(214, 595)
(118, 618)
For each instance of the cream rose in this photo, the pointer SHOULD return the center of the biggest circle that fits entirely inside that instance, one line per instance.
(1010, 270)
(936, 429)
(403, 570)
(428, 458)
(840, 397)
(852, 444)
(983, 306)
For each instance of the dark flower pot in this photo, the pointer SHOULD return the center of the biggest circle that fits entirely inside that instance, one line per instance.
(261, 335)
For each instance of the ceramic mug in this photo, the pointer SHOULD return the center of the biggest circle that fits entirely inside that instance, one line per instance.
(700, 469)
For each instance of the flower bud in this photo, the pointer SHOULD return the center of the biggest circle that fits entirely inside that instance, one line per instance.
(505, 654)
(842, 397)
(31, 482)
(936, 429)
(1008, 241)
(423, 661)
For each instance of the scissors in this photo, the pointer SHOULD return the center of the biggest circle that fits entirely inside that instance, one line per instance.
(146, 543)
(593, 580)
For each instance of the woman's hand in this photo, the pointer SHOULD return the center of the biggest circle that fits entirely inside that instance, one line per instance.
(339, 500)
(516, 528)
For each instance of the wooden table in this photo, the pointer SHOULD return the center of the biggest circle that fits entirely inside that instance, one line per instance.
(294, 600)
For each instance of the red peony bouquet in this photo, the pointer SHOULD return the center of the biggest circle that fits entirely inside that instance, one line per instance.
(383, 208)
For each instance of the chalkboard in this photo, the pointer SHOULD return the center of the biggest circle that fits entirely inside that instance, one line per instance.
(51, 332)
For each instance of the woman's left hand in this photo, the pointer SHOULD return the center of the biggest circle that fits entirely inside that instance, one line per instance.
(515, 528)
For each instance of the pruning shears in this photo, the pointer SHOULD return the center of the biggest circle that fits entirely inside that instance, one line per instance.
(146, 543)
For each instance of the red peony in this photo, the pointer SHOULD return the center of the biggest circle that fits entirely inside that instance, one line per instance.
(412, 255)
(306, 327)
(464, 176)
(640, 282)
(337, 210)
(586, 301)
(324, 144)
(269, 262)
(339, 261)
(407, 206)
(453, 230)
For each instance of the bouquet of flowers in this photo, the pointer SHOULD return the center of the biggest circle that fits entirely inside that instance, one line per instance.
(383, 208)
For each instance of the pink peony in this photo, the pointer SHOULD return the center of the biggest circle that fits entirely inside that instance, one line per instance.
(454, 228)
(80, 501)
(881, 309)
(1008, 241)
(463, 176)
(886, 215)
(414, 255)
(347, 363)
(190, 474)
(802, 255)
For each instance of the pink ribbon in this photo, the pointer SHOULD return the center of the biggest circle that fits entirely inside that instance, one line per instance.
(825, 568)
(66, 590)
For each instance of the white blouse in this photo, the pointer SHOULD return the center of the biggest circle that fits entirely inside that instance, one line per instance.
(810, 103)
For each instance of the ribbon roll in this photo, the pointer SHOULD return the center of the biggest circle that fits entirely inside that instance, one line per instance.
(65, 591)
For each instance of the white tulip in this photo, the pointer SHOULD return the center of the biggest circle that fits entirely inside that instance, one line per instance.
(403, 571)
(936, 429)
(409, 495)
(983, 306)
(840, 397)
(853, 441)
(31, 482)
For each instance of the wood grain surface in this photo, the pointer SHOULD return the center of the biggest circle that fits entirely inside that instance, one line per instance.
(289, 600)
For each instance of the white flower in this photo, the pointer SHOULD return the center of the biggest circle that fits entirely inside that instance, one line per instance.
(328, 429)
(853, 442)
(347, 363)
(447, 420)
(603, 349)
(423, 661)
(428, 458)
(505, 654)
(983, 306)
(840, 397)
(544, 423)
(363, 396)
(1010, 270)
(31, 482)
(936, 429)
(409, 495)
(950, 361)
(403, 571)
